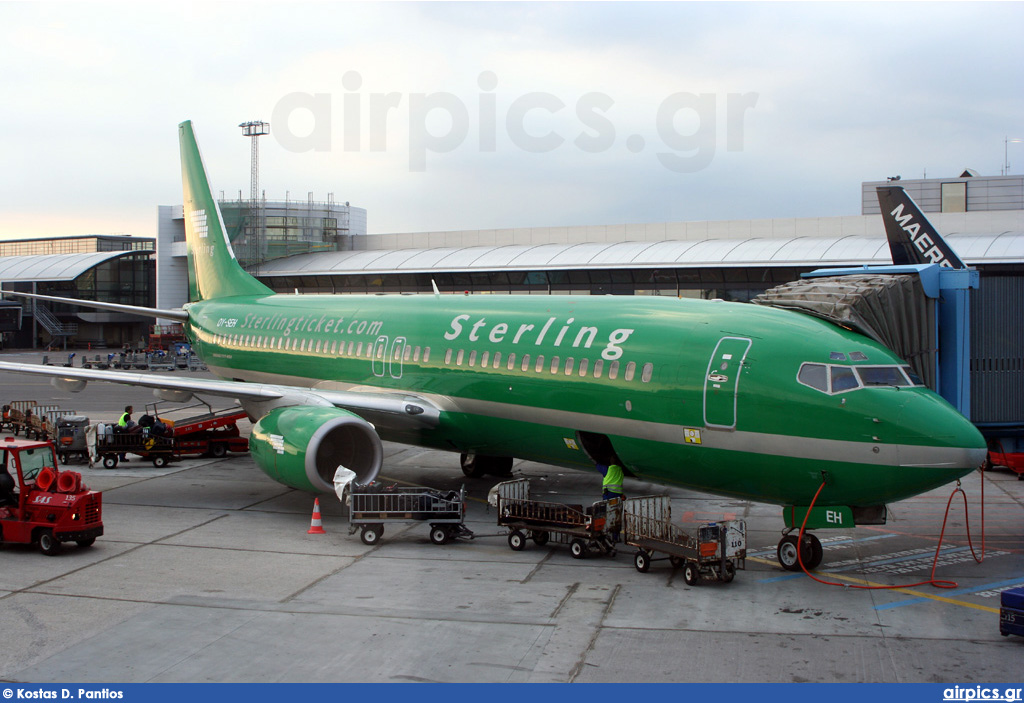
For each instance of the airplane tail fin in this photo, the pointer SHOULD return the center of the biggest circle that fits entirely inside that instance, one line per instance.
(213, 270)
(912, 238)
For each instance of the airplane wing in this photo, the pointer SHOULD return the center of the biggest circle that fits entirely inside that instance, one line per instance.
(395, 410)
(179, 315)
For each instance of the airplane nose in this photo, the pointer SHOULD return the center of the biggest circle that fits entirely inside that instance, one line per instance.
(934, 436)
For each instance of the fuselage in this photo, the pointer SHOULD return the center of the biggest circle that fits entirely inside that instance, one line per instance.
(730, 398)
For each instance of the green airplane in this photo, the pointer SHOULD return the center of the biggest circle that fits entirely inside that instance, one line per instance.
(733, 399)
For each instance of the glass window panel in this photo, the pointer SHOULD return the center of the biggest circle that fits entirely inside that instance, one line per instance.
(881, 376)
(843, 379)
(815, 376)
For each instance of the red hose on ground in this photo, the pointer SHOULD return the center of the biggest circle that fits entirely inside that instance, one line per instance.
(932, 581)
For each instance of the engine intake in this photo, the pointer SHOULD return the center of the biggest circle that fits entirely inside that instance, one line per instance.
(303, 446)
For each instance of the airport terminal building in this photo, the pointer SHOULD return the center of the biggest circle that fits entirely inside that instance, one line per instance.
(323, 247)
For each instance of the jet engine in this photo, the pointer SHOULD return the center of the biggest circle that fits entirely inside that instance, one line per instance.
(302, 447)
(71, 385)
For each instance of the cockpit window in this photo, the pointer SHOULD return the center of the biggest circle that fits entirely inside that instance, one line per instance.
(835, 378)
(858, 356)
(815, 376)
(837, 356)
(843, 379)
(915, 380)
(882, 376)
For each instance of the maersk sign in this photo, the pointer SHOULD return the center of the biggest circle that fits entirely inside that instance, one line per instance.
(734, 399)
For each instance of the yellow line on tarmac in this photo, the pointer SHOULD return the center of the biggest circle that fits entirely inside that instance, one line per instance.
(918, 594)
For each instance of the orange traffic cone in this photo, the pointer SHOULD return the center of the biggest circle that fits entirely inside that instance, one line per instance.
(316, 527)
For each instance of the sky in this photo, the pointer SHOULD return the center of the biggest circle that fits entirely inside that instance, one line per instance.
(484, 115)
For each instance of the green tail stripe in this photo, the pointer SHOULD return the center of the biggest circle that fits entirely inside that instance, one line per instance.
(213, 270)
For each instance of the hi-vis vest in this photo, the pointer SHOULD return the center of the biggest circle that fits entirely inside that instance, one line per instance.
(612, 479)
(123, 422)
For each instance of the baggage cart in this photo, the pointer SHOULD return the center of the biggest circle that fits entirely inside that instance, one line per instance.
(112, 443)
(17, 417)
(588, 530)
(374, 505)
(161, 361)
(45, 421)
(38, 425)
(71, 439)
(1011, 612)
(718, 549)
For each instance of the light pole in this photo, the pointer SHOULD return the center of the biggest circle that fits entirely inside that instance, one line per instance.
(1006, 153)
(255, 129)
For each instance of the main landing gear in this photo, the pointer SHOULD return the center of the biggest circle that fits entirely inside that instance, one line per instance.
(810, 551)
(478, 465)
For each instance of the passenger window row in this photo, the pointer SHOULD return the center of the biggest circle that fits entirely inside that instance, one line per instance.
(319, 346)
(552, 365)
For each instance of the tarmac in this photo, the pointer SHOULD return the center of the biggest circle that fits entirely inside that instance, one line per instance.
(206, 573)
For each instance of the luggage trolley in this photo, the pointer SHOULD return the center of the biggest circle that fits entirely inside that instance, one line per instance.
(717, 551)
(371, 506)
(71, 438)
(18, 415)
(584, 530)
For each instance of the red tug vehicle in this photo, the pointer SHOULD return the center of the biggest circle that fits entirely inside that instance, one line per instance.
(42, 505)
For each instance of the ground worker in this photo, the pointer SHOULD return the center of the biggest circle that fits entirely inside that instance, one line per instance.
(126, 424)
(125, 421)
(611, 484)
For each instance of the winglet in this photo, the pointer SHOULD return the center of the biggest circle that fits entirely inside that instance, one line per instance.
(213, 270)
(912, 238)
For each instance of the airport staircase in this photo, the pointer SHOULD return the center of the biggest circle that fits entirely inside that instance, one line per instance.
(59, 331)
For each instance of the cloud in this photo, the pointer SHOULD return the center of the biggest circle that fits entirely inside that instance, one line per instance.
(475, 115)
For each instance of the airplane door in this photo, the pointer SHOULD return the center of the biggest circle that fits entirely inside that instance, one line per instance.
(722, 380)
(397, 357)
(380, 356)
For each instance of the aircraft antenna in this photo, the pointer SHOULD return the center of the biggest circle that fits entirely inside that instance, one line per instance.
(255, 129)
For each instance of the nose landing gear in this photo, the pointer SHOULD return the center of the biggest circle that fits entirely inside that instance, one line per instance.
(811, 552)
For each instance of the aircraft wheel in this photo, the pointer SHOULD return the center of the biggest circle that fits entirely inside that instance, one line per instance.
(471, 466)
(539, 538)
(642, 561)
(109, 461)
(516, 540)
(817, 553)
(786, 553)
(691, 574)
(48, 544)
(438, 534)
(371, 534)
(578, 548)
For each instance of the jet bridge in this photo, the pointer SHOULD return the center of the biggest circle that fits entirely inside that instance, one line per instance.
(920, 311)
